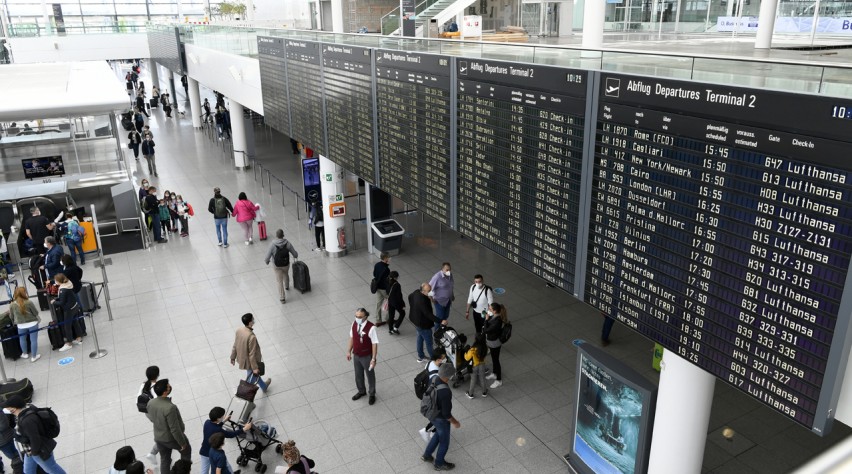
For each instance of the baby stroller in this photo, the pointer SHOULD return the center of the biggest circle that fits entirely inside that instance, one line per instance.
(455, 345)
(253, 442)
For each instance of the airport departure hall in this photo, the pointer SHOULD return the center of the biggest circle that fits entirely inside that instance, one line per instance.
(620, 231)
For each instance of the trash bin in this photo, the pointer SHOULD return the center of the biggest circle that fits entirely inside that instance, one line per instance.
(387, 236)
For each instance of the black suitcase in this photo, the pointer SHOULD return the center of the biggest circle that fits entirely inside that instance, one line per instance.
(88, 296)
(11, 342)
(78, 327)
(44, 302)
(54, 334)
(22, 388)
(154, 102)
(301, 277)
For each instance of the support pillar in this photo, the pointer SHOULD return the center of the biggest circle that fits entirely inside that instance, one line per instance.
(683, 413)
(172, 91)
(766, 24)
(566, 18)
(331, 188)
(593, 24)
(194, 102)
(249, 10)
(155, 74)
(337, 17)
(238, 135)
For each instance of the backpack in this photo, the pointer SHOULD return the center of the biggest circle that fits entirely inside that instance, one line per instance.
(73, 231)
(429, 403)
(145, 207)
(49, 421)
(142, 402)
(506, 333)
(421, 382)
(282, 256)
(219, 207)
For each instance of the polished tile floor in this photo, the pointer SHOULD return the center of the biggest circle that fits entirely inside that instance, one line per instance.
(177, 305)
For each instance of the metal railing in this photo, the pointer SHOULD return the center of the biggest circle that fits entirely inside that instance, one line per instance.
(266, 178)
(29, 30)
(390, 20)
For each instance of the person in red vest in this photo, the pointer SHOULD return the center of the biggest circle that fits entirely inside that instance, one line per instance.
(362, 349)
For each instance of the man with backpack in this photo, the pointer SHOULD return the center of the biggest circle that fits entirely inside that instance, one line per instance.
(7, 444)
(480, 296)
(437, 407)
(279, 252)
(221, 209)
(36, 432)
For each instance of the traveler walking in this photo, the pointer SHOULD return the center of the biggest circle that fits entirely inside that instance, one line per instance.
(396, 304)
(7, 445)
(606, 329)
(134, 139)
(169, 430)
(140, 103)
(495, 319)
(36, 435)
(296, 462)
(25, 316)
(221, 209)
(217, 458)
(424, 319)
(124, 457)
(279, 253)
(478, 299)
(138, 120)
(442, 292)
(148, 152)
(432, 367)
(215, 424)
(146, 394)
(443, 420)
(246, 351)
(381, 273)
(362, 349)
(315, 222)
(244, 212)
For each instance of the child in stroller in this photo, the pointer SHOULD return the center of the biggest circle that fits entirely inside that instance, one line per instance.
(254, 442)
(455, 345)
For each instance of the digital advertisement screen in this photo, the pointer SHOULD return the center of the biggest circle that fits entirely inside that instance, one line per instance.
(43, 167)
(614, 416)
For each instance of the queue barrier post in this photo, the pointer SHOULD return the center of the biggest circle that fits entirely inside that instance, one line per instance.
(98, 352)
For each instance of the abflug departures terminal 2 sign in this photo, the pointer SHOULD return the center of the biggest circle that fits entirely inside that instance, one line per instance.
(720, 226)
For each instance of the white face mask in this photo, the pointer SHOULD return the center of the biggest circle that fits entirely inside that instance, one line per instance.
(45, 245)
(447, 273)
(479, 286)
(357, 320)
(6, 411)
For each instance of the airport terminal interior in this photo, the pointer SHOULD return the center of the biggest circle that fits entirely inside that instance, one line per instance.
(176, 304)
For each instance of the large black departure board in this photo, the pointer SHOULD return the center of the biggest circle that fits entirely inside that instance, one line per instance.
(348, 86)
(721, 227)
(413, 108)
(520, 157)
(304, 83)
(273, 82)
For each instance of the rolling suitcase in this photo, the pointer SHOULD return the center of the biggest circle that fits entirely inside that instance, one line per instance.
(11, 343)
(23, 388)
(54, 334)
(154, 102)
(261, 229)
(301, 277)
(78, 327)
(44, 301)
(240, 409)
(88, 296)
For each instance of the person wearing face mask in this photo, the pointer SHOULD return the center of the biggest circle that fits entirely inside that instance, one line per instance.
(442, 292)
(246, 351)
(169, 430)
(424, 319)
(362, 349)
(395, 303)
(183, 215)
(52, 257)
(495, 318)
(74, 274)
(216, 425)
(434, 365)
(36, 447)
(381, 272)
(148, 152)
(221, 209)
(7, 443)
(480, 296)
(143, 189)
(67, 309)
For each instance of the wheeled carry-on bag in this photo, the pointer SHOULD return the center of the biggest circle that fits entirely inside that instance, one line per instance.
(11, 342)
(54, 334)
(301, 276)
(261, 230)
(44, 301)
(154, 102)
(241, 410)
(23, 388)
(88, 296)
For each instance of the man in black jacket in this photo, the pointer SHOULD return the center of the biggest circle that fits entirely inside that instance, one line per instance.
(30, 433)
(381, 272)
(151, 207)
(423, 318)
(221, 209)
(7, 444)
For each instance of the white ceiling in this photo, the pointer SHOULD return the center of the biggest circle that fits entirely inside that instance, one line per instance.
(50, 90)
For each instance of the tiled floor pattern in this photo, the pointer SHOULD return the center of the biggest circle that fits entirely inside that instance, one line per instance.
(177, 306)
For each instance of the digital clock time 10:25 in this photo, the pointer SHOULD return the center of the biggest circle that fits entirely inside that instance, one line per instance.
(841, 112)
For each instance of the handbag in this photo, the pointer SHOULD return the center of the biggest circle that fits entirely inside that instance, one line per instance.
(385, 305)
(247, 391)
(261, 369)
(374, 286)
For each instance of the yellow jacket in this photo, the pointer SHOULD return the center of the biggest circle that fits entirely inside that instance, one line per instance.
(471, 354)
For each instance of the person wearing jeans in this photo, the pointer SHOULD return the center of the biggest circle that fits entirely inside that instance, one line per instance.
(442, 292)
(35, 446)
(442, 422)
(221, 209)
(423, 319)
(246, 351)
(7, 445)
(495, 319)
(282, 275)
(25, 315)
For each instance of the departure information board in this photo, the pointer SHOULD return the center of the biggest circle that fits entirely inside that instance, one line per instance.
(413, 108)
(520, 157)
(348, 86)
(304, 82)
(273, 82)
(721, 227)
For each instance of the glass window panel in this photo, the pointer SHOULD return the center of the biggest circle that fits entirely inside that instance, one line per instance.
(798, 78)
(648, 64)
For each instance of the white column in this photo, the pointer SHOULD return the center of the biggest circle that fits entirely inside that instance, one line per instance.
(249, 10)
(566, 18)
(194, 102)
(172, 91)
(238, 134)
(766, 24)
(337, 16)
(329, 189)
(155, 74)
(369, 217)
(683, 413)
(593, 23)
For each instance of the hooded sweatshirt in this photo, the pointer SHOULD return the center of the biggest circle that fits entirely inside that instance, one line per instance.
(277, 244)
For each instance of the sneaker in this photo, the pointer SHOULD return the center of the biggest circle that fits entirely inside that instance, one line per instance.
(426, 437)
(152, 458)
(246, 242)
(268, 383)
(317, 249)
(469, 395)
(77, 343)
(421, 360)
(496, 384)
(25, 355)
(447, 466)
(64, 348)
(226, 245)
(251, 241)
(426, 457)
(184, 234)
(37, 357)
(490, 377)
(220, 244)
(485, 394)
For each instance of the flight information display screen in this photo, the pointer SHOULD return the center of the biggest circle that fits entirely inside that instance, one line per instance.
(520, 157)
(721, 227)
(273, 82)
(304, 81)
(413, 108)
(348, 86)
